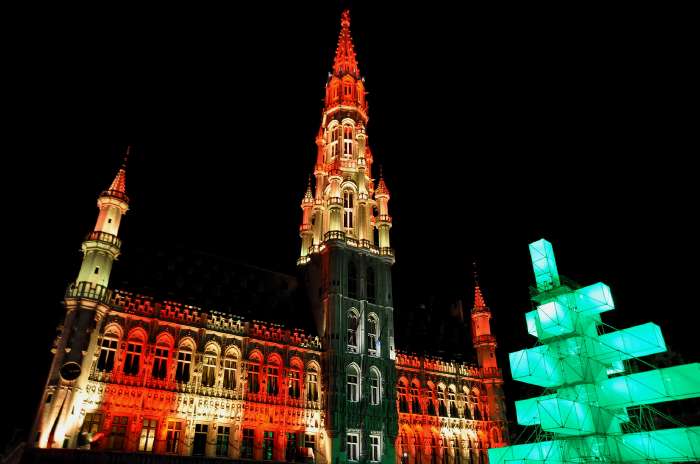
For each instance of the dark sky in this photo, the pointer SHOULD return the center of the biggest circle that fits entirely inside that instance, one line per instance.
(495, 128)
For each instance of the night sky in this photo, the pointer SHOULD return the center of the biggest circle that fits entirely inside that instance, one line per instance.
(495, 129)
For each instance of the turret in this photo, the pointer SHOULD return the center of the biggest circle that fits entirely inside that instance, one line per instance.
(101, 247)
(87, 301)
(485, 345)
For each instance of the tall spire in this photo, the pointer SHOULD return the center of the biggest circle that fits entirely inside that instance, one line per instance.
(479, 302)
(345, 59)
(118, 186)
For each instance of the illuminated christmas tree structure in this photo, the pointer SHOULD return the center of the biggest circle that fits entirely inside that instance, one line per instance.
(588, 389)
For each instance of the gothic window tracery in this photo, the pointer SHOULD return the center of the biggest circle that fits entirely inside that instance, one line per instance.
(230, 369)
(184, 363)
(348, 210)
(353, 325)
(254, 373)
(373, 335)
(353, 383)
(312, 384)
(134, 349)
(209, 367)
(375, 386)
(108, 352)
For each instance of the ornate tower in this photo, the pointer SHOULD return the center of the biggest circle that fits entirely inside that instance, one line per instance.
(346, 258)
(485, 346)
(86, 302)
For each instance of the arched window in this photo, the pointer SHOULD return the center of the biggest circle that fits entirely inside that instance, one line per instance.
(403, 396)
(184, 363)
(230, 368)
(452, 401)
(353, 384)
(415, 398)
(347, 141)
(160, 360)
(108, 352)
(134, 349)
(333, 140)
(209, 368)
(431, 400)
(348, 208)
(352, 280)
(373, 335)
(254, 374)
(374, 386)
(312, 384)
(353, 322)
(442, 406)
(371, 294)
(273, 373)
(294, 388)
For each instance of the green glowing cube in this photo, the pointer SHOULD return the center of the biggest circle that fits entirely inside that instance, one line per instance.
(526, 410)
(555, 319)
(565, 417)
(658, 385)
(536, 366)
(544, 264)
(595, 298)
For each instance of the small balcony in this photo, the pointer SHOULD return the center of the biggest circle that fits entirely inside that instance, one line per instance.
(116, 194)
(89, 291)
(104, 237)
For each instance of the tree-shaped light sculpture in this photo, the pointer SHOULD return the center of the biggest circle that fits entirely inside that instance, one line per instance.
(589, 392)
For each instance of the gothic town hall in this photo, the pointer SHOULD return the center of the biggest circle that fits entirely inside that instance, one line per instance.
(138, 378)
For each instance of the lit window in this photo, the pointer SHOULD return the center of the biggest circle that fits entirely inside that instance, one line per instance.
(353, 446)
(230, 365)
(184, 362)
(172, 437)
(92, 423)
(133, 358)
(209, 369)
(347, 141)
(452, 402)
(374, 387)
(294, 389)
(442, 407)
(148, 434)
(353, 382)
(312, 385)
(372, 335)
(335, 130)
(374, 450)
(352, 331)
(160, 363)
(253, 377)
(348, 209)
(108, 351)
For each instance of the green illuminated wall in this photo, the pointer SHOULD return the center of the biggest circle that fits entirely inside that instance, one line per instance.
(585, 413)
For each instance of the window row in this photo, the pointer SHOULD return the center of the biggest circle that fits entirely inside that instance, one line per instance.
(335, 135)
(170, 437)
(216, 370)
(374, 448)
(371, 330)
(445, 402)
(354, 384)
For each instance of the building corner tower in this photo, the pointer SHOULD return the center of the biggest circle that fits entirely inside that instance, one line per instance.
(346, 261)
(86, 302)
(485, 346)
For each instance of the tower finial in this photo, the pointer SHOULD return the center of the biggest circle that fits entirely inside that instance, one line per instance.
(126, 156)
(345, 59)
(479, 302)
